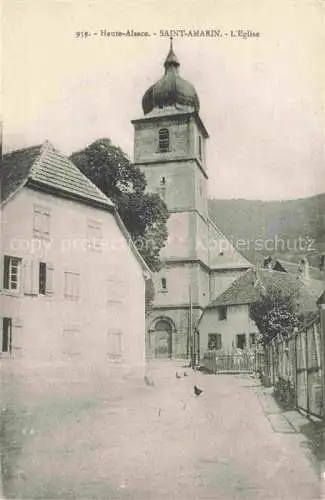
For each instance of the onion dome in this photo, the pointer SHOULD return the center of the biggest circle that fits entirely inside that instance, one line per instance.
(171, 89)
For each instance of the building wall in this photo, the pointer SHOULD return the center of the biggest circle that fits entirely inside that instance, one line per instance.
(105, 319)
(221, 279)
(180, 277)
(237, 322)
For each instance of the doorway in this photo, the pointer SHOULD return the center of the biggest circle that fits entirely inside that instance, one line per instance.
(163, 339)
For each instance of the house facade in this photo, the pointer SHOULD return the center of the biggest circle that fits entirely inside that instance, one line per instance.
(226, 324)
(72, 283)
(198, 262)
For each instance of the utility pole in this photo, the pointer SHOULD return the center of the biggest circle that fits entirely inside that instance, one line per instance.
(191, 327)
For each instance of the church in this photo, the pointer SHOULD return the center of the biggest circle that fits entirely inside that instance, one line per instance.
(198, 262)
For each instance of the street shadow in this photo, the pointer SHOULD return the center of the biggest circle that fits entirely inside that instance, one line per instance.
(314, 433)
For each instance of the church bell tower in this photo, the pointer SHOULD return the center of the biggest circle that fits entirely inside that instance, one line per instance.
(170, 148)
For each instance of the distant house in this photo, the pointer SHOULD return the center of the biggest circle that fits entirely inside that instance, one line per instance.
(301, 268)
(226, 324)
(72, 282)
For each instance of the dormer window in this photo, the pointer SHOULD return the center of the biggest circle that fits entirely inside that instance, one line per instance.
(163, 140)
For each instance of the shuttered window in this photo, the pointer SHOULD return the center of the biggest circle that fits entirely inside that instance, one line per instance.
(11, 273)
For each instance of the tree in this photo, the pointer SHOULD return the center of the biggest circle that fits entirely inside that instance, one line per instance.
(150, 295)
(144, 214)
(276, 312)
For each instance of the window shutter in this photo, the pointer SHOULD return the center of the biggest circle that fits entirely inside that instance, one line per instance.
(34, 277)
(1, 271)
(49, 279)
(37, 221)
(27, 276)
(6, 265)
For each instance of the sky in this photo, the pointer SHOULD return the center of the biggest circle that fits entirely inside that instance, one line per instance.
(262, 98)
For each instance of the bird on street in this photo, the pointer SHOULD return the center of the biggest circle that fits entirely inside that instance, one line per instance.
(185, 374)
(197, 390)
(148, 381)
(178, 375)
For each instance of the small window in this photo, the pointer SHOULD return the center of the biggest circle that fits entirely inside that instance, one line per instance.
(163, 181)
(6, 343)
(163, 284)
(214, 341)
(94, 235)
(163, 140)
(11, 275)
(241, 341)
(41, 222)
(222, 311)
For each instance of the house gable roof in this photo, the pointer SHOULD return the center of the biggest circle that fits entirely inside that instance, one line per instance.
(45, 168)
(247, 288)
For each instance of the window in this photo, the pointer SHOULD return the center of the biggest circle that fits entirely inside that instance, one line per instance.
(162, 181)
(42, 278)
(222, 311)
(11, 275)
(214, 341)
(41, 222)
(241, 341)
(94, 235)
(71, 285)
(163, 140)
(115, 289)
(200, 147)
(6, 341)
(71, 342)
(252, 340)
(164, 284)
(114, 347)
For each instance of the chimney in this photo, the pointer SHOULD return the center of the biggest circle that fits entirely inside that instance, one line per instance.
(267, 263)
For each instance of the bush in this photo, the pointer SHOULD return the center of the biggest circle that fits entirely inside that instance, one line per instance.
(285, 394)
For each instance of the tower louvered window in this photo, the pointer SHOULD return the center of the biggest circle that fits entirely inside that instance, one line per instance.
(163, 140)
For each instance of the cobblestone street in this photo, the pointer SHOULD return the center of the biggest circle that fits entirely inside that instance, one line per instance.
(139, 442)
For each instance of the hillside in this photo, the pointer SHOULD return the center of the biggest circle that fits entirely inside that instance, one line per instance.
(280, 228)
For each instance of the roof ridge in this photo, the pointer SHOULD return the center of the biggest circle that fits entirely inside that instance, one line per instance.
(20, 150)
(214, 225)
(46, 150)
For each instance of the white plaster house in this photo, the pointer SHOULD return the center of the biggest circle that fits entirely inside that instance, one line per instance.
(72, 282)
(226, 324)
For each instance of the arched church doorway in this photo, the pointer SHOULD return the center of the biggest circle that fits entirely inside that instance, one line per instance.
(163, 339)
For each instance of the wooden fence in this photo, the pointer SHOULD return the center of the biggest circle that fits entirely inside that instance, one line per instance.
(233, 362)
(294, 364)
(297, 362)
